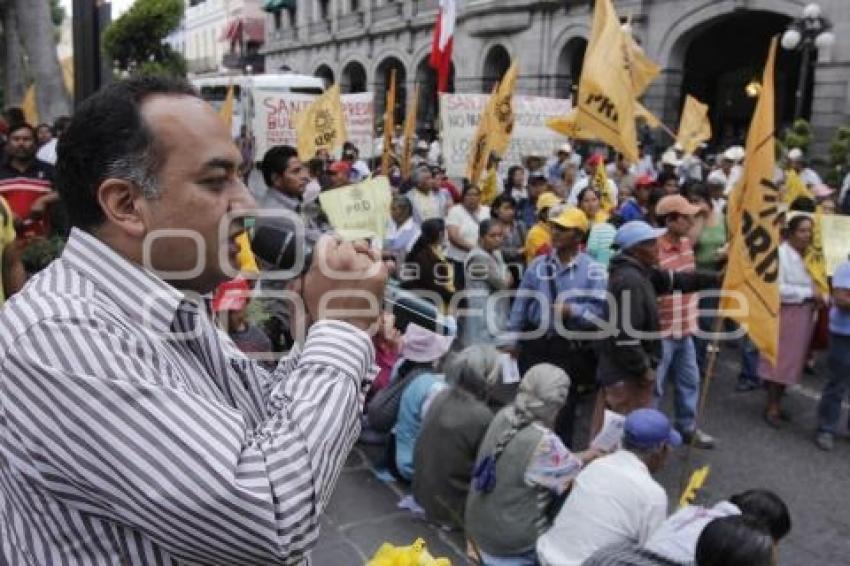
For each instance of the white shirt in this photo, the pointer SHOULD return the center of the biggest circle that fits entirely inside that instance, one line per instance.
(795, 283)
(614, 500)
(468, 228)
(810, 177)
(47, 152)
(676, 538)
(581, 184)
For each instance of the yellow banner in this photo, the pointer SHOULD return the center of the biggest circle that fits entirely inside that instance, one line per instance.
(642, 69)
(694, 125)
(389, 126)
(568, 126)
(651, 120)
(226, 110)
(495, 126)
(359, 211)
(409, 134)
(606, 96)
(321, 125)
(835, 231)
(753, 220)
(600, 183)
(29, 106)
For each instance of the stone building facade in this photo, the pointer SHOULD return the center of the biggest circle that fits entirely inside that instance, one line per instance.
(710, 48)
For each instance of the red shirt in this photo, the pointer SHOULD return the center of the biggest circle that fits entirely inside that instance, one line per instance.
(677, 313)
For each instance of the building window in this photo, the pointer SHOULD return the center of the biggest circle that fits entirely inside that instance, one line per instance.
(355, 5)
(277, 20)
(292, 16)
(323, 9)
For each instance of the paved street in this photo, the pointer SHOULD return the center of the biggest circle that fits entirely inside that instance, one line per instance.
(363, 512)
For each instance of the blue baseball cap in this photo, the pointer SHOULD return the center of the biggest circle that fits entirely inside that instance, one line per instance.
(635, 232)
(649, 428)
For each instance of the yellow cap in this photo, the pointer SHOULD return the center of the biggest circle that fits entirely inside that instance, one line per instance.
(547, 200)
(571, 218)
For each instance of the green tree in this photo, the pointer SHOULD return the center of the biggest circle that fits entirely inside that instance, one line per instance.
(135, 41)
(839, 157)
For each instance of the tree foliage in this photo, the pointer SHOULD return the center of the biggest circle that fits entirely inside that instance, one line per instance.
(839, 156)
(135, 41)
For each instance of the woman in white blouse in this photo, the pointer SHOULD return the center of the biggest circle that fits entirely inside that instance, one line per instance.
(800, 301)
(462, 227)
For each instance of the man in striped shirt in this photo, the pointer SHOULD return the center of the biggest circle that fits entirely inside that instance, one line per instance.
(131, 430)
(677, 315)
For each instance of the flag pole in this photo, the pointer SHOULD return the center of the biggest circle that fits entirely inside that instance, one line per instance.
(710, 369)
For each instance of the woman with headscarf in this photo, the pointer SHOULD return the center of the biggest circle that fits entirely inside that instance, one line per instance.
(799, 298)
(426, 269)
(521, 467)
(451, 433)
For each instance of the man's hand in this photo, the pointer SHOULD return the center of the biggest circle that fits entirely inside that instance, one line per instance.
(345, 282)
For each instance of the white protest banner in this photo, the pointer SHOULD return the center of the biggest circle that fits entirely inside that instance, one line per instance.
(274, 114)
(836, 240)
(459, 115)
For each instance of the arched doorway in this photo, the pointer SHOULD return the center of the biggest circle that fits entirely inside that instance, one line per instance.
(495, 65)
(724, 56)
(568, 71)
(382, 84)
(325, 73)
(353, 78)
(429, 98)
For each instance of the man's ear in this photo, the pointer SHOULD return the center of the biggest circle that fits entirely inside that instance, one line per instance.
(120, 201)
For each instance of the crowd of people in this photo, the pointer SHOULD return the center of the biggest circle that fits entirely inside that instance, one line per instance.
(577, 275)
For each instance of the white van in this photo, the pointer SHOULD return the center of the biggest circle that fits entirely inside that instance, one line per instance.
(214, 90)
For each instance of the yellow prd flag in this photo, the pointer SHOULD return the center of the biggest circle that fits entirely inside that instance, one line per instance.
(795, 187)
(606, 96)
(495, 126)
(389, 127)
(642, 69)
(321, 125)
(753, 219)
(226, 110)
(815, 259)
(29, 106)
(409, 134)
(568, 126)
(694, 126)
(694, 485)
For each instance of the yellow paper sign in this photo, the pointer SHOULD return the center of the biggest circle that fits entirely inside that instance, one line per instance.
(835, 231)
(359, 211)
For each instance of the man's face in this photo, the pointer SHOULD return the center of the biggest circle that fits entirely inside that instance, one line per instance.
(44, 135)
(398, 213)
(338, 178)
(493, 239)
(21, 144)
(680, 225)
(646, 252)
(565, 238)
(199, 185)
(426, 182)
(293, 179)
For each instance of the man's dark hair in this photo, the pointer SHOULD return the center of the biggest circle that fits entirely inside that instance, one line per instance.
(503, 198)
(108, 138)
(736, 540)
(61, 124)
(44, 125)
(767, 507)
(803, 204)
(15, 126)
(484, 226)
(276, 160)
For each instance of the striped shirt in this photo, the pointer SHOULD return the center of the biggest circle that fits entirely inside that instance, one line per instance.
(677, 312)
(134, 432)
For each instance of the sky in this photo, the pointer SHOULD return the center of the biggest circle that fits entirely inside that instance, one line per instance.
(118, 6)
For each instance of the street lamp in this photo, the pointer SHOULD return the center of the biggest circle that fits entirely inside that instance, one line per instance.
(809, 32)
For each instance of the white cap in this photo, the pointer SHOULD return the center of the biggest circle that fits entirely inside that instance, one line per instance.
(565, 148)
(422, 145)
(669, 158)
(735, 154)
(795, 154)
(716, 177)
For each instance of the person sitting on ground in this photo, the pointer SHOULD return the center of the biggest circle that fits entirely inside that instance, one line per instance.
(521, 467)
(614, 499)
(426, 269)
(452, 432)
(735, 541)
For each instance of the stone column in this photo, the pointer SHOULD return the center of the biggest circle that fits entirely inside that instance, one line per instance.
(830, 104)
